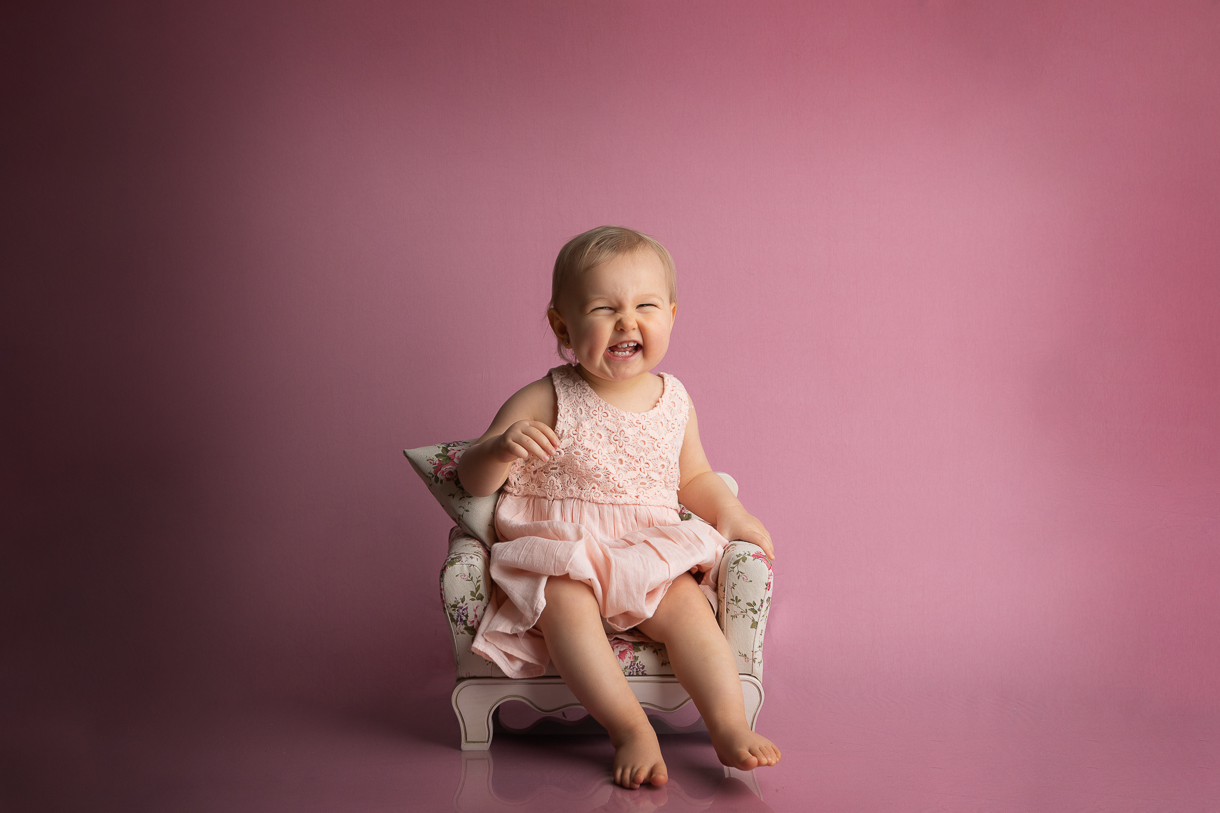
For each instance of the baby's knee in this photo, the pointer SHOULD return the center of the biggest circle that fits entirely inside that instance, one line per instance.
(685, 590)
(683, 609)
(565, 593)
(568, 603)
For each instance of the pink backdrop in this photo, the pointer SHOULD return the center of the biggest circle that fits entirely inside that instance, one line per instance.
(949, 285)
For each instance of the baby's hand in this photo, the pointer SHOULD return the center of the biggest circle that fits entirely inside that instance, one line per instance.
(525, 439)
(741, 524)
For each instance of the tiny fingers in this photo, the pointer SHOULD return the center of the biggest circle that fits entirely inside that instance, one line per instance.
(550, 443)
(550, 434)
(536, 441)
(536, 449)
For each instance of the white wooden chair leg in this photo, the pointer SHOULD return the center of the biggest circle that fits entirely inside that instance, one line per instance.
(473, 709)
(474, 700)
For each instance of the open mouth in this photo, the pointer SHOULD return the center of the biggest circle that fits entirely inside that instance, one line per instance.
(623, 350)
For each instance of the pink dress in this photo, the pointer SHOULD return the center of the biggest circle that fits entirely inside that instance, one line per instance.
(604, 511)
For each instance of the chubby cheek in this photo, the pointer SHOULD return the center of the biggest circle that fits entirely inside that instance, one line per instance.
(590, 350)
(657, 342)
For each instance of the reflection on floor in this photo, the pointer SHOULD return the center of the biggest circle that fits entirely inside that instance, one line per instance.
(481, 791)
(558, 763)
(911, 753)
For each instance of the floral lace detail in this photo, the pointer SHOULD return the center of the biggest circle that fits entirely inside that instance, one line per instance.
(607, 455)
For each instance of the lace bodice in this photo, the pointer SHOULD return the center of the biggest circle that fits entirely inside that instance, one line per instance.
(607, 455)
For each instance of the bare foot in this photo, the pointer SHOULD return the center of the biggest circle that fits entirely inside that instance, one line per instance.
(637, 758)
(739, 747)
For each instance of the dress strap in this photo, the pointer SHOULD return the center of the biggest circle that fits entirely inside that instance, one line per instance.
(567, 391)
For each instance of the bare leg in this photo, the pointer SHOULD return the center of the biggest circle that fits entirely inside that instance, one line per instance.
(704, 665)
(572, 627)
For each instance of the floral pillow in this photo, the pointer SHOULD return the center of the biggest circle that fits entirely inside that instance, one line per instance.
(437, 465)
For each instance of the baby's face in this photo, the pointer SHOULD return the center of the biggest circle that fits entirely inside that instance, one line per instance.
(618, 316)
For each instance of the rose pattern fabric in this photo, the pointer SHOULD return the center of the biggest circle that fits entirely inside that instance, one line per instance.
(745, 602)
(464, 595)
(640, 657)
(443, 463)
(437, 466)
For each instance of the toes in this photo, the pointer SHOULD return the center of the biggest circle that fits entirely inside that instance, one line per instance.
(634, 778)
(768, 755)
(749, 757)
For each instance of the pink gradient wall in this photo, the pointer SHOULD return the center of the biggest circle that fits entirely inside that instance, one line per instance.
(949, 286)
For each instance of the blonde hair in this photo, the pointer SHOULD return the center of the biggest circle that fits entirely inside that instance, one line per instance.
(586, 251)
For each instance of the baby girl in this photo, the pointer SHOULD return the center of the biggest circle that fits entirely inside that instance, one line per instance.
(594, 459)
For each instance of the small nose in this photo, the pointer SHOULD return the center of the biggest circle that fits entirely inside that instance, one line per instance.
(626, 322)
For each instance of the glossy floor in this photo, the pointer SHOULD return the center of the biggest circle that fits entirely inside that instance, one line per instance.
(938, 754)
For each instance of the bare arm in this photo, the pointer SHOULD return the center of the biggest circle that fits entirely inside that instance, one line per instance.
(704, 492)
(521, 429)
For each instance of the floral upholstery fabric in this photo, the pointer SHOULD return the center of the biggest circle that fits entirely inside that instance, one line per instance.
(437, 467)
(464, 594)
(745, 583)
(743, 602)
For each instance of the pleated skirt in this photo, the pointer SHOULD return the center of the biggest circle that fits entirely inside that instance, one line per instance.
(628, 555)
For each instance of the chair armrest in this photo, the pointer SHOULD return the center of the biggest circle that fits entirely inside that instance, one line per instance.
(465, 594)
(743, 590)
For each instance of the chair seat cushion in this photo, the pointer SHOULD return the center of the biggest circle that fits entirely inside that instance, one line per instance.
(637, 658)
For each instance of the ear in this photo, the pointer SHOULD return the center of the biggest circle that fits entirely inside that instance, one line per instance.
(673, 312)
(558, 327)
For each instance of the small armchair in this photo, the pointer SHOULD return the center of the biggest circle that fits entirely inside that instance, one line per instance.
(744, 585)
